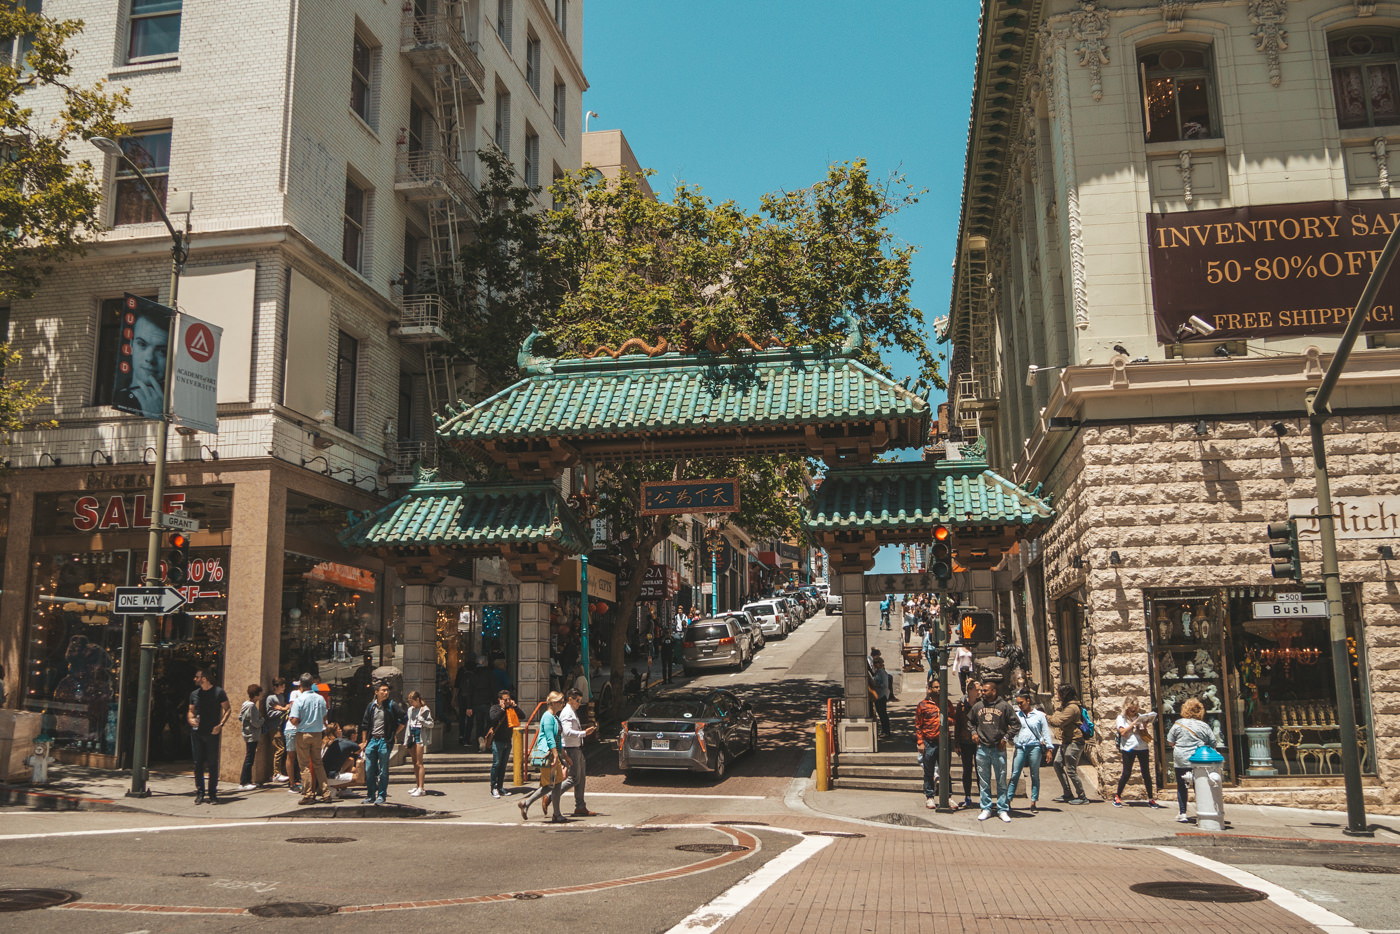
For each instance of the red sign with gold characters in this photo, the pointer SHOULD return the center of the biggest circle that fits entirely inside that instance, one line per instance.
(1270, 270)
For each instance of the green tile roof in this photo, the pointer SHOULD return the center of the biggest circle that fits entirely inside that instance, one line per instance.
(917, 495)
(480, 517)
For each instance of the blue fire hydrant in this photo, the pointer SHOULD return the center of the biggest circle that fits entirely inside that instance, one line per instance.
(1210, 796)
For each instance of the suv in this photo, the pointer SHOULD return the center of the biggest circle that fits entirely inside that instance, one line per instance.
(750, 625)
(771, 616)
(833, 604)
(716, 642)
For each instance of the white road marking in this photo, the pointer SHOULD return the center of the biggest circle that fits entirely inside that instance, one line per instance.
(1286, 899)
(710, 916)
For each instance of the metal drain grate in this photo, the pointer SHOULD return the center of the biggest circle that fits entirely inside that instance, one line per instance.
(711, 848)
(293, 910)
(321, 840)
(194, 875)
(1361, 867)
(832, 833)
(738, 823)
(1198, 892)
(649, 830)
(32, 899)
(526, 896)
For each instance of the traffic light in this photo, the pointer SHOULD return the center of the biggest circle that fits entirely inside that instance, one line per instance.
(182, 627)
(976, 625)
(1283, 549)
(941, 555)
(177, 559)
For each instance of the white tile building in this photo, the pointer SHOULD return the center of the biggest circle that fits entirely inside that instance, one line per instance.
(329, 148)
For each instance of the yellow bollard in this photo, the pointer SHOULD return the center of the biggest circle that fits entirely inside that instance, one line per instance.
(517, 752)
(823, 776)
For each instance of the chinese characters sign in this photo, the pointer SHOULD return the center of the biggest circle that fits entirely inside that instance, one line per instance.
(1269, 270)
(680, 496)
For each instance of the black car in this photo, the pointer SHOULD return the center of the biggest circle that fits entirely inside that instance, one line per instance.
(697, 732)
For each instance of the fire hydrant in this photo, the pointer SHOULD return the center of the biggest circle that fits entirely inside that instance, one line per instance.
(39, 762)
(1210, 797)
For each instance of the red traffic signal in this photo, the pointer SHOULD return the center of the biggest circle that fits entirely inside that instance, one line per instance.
(177, 559)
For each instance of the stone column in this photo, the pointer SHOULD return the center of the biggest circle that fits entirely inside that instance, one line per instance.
(419, 642)
(857, 729)
(532, 668)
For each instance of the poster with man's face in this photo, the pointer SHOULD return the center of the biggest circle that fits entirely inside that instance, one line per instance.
(145, 340)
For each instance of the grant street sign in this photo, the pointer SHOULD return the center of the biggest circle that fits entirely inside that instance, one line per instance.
(179, 522)
(137, 601)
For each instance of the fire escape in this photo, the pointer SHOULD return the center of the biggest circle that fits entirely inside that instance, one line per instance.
(429, 170)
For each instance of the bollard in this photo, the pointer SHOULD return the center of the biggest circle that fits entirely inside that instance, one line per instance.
(517, 754)
(39, 762)
(823, 774)
(1210, 797)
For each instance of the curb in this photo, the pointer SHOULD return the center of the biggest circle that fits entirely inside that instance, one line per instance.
(18, 796)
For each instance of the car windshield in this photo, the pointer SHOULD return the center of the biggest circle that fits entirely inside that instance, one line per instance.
(674, 708)
(760, 608)
(708, 631)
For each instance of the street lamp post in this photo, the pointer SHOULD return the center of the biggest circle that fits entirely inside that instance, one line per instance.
(713, 538)
(140, 747)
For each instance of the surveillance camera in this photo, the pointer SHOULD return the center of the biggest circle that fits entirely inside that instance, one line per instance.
(1201, 326)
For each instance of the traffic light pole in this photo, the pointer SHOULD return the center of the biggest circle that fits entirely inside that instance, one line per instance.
(947, 733)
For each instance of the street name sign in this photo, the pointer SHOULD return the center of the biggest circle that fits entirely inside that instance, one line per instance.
(137, 601)
(179, 522)
(1280, 609)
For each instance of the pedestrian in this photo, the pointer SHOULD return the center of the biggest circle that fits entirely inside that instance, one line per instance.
(484, 688)
(462, 696)
(992, 718)
(546, 756)
(503, 717)
(930, 648)
(379, 730)
(275, 719)
(966, 738)
(882, 690)
(251, 720)
(885, 612)
(574, 733)
(208, 709)
(1185, 737)
(289, 737)
(338, 754)
(1033, 742)
(419, 723)
(928, 727)
(308, 717)
(908, 618)
(577, 680)
(1134, 743)
(1064, 722)
(668, 653)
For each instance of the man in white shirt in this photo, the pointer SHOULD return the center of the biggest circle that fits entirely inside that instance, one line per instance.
(574, 734)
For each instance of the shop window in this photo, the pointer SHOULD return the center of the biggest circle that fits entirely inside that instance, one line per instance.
(1178, 94)
(1365, 78)
(332, 629)
(155, 29)
(133, 202)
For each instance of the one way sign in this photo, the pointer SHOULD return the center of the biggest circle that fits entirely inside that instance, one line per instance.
(136, 601)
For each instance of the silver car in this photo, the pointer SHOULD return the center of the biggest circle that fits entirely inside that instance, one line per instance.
(751, 628)
(698, 732)
(715, 642)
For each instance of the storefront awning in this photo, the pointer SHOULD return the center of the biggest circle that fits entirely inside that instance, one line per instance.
(769, 559)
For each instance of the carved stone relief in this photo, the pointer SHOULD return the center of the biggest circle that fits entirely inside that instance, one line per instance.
(1270, 37)
(1090, 27)
(1173, 12)
(1365, 7)
(1184, 161)
(1380, 152)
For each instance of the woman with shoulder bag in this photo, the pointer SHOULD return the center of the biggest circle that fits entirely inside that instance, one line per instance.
(420, 721)
(1185, 737)
(1134, 744)
(546, 755)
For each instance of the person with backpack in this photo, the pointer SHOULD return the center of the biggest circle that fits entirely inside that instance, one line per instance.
(1185, 737)
(882, 692)
(1069, 723)
(928, 727)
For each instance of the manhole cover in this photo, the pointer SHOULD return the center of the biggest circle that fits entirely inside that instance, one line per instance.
(569, 830)
(30, 899)
(832, 833)
(711, 848)
(1198, 892)
(321, 840)
(194, 875)
(1361, 867)
(292, 910)
(526, 896)
(739, 823)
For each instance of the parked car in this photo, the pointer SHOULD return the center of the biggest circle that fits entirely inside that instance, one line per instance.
(771, 616)
(714, 642)
(794, 611)
(818, 598)
(747, 621)
(833, 604)
(698, 732)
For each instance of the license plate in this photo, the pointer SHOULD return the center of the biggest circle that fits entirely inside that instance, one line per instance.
(661, 744)
(707, 652)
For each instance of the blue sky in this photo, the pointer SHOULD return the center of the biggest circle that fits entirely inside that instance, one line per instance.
(743, 97)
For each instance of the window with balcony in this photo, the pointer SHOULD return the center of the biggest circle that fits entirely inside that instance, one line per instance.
(151, 153)
(504, 14)
(561, 103)
(532, 64)
(352, 248)
(1178, 94)
(154, 27)
(532, 159)
(362, 54)
(1365, 78)
(347, 363)
(502, 136)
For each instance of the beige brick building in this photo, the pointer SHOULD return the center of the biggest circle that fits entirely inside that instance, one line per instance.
(1168, 211)
(329, 146)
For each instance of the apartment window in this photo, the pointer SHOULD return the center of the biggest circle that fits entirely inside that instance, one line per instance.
(1177, 94)
(561, 16)
(155, 29)
(352, 248)
(405, 407)
(417, 127)
(109, 337)
(361, 73)
(347, 364)
(1365, 79)
(151, 153)
(503, 121)
(532, 159)
(504, 13)
(18, 48)
(532, 64)
(561, 102)
(415, 258)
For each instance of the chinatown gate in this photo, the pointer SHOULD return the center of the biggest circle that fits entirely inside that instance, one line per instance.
(608, 409)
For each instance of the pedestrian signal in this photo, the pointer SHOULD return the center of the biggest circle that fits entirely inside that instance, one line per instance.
(977, 626)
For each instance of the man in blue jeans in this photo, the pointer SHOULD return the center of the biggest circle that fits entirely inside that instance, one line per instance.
(208, 710)
(992, 718)
(379, 730)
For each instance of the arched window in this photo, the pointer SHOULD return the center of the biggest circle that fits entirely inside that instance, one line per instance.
(1365, 78)
(1178, 94)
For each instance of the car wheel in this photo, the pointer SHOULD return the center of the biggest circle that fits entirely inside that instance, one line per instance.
(721, 764)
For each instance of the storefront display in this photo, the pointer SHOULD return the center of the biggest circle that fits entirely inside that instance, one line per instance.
(333, 630)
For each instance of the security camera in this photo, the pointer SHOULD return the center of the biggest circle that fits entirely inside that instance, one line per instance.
(1201, 326)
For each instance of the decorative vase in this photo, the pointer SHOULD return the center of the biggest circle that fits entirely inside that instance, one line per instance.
(1261, 759)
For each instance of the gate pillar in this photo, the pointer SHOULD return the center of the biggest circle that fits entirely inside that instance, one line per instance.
(849, 564)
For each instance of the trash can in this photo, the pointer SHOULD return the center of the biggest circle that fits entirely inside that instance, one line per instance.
(1210, 798)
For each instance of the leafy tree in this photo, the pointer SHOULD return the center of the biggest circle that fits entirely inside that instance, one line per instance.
(48, 201)
(608, 263)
